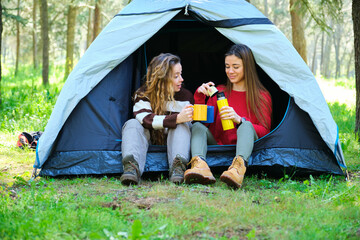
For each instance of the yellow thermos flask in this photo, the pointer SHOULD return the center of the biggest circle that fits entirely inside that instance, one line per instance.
(221, 102)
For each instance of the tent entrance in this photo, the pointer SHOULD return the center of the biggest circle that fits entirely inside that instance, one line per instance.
(201, 49)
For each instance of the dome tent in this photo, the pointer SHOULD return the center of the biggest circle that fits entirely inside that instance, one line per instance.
(83, 134)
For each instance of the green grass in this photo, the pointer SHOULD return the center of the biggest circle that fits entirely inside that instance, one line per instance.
(26, 103)
(344, 116)
(322, 207)
(340, 82)
(98, 208)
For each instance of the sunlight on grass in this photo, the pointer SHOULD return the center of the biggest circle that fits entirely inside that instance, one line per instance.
(341, 93)
(29, 76)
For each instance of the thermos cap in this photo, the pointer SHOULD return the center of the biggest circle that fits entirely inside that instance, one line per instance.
(212, 90)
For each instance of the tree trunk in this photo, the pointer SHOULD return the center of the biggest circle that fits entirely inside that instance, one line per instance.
(4, 50)
(345, 53)
(297, 24)
(45, 40)
(70, 40)
(322, 52)
(325, 54)
(89, 32)
(35, 3)
(97, 19)
(313, 64)
(356, 22)
(266, 8)
(1, 29)
(275, 16)
(337, 41)
(17, 40)
(349, 64)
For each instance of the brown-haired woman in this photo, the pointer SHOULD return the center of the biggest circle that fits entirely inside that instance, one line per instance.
(163, 114)
(250, 108)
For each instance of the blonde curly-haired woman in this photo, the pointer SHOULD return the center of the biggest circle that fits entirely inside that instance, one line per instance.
(163, 114)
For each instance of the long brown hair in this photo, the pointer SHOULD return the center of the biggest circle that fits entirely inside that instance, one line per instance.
(159, 87)
(255, 101)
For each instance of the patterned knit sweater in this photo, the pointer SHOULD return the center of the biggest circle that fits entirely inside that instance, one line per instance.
(145, 115)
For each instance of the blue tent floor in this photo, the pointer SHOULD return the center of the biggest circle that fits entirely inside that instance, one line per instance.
(273, 161)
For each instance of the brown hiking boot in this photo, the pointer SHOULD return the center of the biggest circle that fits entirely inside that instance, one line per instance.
(199, 172)
(176, 172)
(131, 173)
(234, 176)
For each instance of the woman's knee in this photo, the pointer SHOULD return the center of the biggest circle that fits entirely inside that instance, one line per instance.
(132, 123)
(198, 128)
(132, 127)
(183, 128)
(246, 128)
(246, 125)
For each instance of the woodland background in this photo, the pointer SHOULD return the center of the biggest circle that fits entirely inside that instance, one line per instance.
(48, 33)
(321, 30)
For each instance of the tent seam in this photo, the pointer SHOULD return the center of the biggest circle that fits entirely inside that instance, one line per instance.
(336, 146)
(142, 13)
(230, 23)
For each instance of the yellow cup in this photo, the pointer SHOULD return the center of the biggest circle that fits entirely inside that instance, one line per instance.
(200, 112)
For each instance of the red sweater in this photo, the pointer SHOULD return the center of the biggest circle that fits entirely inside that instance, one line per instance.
(237, 100)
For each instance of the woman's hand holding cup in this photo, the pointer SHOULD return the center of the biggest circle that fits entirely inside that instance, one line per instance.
(186, 114)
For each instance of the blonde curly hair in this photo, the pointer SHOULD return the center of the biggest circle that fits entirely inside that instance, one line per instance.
(159, 87)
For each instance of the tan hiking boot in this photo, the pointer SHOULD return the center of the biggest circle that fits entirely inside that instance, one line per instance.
(234, 176)
(176, 171)
(199, 172)
(131, 173)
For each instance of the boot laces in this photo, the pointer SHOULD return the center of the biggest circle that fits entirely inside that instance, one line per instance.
(194, 161)
(131, 167)
(136, 168)
(236, 160)
(178, 167)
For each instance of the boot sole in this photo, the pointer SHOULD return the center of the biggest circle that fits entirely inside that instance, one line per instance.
(192, 178)
(129, 180)
(177, 180)
(229, 181)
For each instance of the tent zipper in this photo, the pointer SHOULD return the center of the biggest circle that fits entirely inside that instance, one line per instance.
(186, 10)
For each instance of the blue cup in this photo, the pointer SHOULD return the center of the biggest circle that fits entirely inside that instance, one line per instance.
(210, 115)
